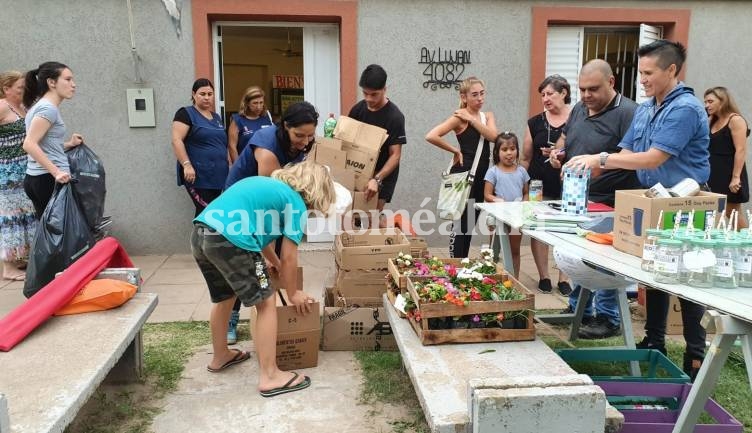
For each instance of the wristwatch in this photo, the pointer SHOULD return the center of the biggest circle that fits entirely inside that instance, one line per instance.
(378, 180)
(603, 157)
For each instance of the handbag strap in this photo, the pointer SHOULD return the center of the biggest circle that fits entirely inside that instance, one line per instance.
(478, 151)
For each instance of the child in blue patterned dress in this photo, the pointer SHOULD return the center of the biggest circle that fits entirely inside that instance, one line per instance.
(507, 181)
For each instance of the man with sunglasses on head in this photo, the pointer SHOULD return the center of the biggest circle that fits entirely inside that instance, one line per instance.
(596, 124)
(376, 109)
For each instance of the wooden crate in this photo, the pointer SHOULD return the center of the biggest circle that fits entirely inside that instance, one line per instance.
(401, 279)
(392, 298)
(473, 335)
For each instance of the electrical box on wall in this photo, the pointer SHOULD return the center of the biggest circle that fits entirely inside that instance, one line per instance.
(140, 108)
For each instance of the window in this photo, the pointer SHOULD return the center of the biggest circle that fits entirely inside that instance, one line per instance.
(570, 47)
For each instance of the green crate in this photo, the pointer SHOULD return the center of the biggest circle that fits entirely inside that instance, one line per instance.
(655, 366)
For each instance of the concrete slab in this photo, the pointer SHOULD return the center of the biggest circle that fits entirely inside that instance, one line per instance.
(169, 294)
(50, 375)
(186, 275)
(12, 285)
(10, 299)
(172, 313)
(148, 264)
(229, 402)
(440, 374)
(180, 261)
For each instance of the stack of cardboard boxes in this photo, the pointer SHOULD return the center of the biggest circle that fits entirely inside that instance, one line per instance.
(354, 316)
(351, 158)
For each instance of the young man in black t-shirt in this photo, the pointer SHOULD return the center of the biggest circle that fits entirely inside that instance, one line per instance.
(376, 109)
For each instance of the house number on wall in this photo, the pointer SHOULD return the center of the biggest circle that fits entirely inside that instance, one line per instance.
(444, 68)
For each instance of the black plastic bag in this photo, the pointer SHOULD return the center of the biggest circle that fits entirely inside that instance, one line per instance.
(62, 237)
(89, 186)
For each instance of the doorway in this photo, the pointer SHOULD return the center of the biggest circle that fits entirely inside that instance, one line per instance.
(291, 62)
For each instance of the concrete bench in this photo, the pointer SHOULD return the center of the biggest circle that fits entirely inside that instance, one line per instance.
(48, 377)
(457, 383)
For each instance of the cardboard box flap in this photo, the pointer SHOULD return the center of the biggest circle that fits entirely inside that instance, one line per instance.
(359, 133)
(328, 151)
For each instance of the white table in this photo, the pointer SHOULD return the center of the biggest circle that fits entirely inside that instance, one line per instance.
(729, 315)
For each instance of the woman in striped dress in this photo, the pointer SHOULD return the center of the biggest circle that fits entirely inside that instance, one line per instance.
(17, 222)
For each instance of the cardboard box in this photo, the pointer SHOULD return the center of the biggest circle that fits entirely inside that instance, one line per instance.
(634, 214)
(334, 298)
(360, 204)
(360, 283)
(298, 337)
(370, 249)
(354, 328)
(361, 143)
(674, 324)
(329, 152)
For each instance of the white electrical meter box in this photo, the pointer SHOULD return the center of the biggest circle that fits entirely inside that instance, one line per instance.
(140, 108)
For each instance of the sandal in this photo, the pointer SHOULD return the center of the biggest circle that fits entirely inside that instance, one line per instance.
(239, 357)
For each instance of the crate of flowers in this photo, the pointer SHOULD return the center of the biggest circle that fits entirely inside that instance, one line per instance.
(406, 265)
(468, 307)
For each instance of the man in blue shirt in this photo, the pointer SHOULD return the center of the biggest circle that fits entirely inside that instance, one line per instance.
(667, 142)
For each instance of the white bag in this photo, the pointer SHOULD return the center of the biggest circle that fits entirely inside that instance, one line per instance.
(455, 187)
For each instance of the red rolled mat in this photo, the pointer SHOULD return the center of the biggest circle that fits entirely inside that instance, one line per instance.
(19, 323)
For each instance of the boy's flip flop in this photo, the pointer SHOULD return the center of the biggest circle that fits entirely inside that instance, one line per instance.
(287, 388)
(239, 357)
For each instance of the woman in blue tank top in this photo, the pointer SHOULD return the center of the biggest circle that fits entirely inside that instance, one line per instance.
(200, 146)
(251, 117)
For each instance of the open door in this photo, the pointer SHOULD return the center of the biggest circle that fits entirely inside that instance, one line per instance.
(648, 34)
(219, 88)
(321, 70)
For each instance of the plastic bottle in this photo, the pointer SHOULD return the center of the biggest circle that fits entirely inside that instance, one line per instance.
(536, 190)
(329, 126)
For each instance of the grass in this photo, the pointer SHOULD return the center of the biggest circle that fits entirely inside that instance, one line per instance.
(385, 381)
(131, 408)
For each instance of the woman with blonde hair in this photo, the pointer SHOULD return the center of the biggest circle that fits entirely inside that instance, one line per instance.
(470, 126)
(17, 220)
(251, 117)
(728, 150)
(233, 244)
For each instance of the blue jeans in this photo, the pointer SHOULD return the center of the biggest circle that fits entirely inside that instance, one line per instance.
(606, 304)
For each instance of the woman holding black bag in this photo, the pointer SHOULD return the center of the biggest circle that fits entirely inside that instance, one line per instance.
(45, 89)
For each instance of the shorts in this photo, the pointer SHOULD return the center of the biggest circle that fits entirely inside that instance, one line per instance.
(228, 270)
(386, 191)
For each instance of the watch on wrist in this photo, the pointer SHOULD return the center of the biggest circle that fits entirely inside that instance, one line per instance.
(378, 180)
(603, 156)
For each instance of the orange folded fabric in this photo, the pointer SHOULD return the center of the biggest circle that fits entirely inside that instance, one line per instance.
(600, 238)
(99, 295)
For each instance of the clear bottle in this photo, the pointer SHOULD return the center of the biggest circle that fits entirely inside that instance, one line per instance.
(329, 124)
(700, 262)
(724, 272)
(743, 263)
(649, 247)
(536, 190)
(667, 261)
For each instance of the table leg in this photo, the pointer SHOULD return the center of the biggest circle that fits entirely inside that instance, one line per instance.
(704, 383)
(626, 329)
(747, 353)
(501, 241)
(579, 311)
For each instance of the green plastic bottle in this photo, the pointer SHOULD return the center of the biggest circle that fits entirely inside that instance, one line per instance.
(329, 126)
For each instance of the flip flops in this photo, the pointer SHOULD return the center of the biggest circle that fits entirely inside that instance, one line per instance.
(239, 357)
(287, 388)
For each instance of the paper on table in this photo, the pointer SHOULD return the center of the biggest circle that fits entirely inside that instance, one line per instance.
(584, 275)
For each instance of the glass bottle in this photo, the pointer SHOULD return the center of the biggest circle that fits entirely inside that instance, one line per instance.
(649, 247)
(724, 273)
(667, 261)
(743, 263)
(686, 246)
(700, 262)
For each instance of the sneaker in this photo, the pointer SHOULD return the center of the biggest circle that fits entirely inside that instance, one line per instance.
(544, 285)
(586, 320)
(600, 328)
(645, 344)
(564, 288)
(232, 329)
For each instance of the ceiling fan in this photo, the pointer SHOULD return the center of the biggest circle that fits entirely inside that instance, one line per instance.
(289, 52)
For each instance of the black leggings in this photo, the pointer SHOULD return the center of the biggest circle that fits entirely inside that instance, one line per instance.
(201, 197)
(656, 308)
(459, 240)
(39, 189)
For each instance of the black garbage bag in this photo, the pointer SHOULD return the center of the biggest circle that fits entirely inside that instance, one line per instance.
(62, 237)
(89, 186)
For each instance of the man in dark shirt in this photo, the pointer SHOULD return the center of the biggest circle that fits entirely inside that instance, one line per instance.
(596, 124)
(376, 109)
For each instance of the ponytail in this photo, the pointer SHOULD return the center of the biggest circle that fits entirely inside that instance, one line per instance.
(36, 81)
(31, 94)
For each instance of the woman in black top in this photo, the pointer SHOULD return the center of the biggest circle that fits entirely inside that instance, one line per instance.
(468, 128)
(543, 130)
(728, 150)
